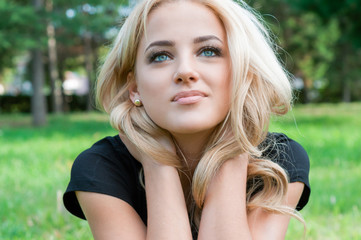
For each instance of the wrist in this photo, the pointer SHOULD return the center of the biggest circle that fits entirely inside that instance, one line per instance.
(224, 207)
(231, 178)
(237, 165)
(233, 169)
(152, 167)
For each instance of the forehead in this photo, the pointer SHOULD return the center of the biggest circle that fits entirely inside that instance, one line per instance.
(182, 19)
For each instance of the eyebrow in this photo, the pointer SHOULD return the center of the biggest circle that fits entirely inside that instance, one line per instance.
(166, 43)
(163, 43)
(206, 38)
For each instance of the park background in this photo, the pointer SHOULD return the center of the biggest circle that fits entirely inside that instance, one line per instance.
(50, 51)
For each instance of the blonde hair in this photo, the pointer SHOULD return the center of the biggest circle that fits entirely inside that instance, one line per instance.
(260, 88)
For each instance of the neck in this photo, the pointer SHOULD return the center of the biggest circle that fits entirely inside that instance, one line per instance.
(191, 146)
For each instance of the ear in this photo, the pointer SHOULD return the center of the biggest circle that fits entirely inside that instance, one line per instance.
(133, 87)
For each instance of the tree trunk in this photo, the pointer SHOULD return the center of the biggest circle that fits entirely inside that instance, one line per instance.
(346, 91)
(306, 89)
(38, 100)
(89, 69)
(65, 105)
(55, 82)
(305, 93)
(345, 72)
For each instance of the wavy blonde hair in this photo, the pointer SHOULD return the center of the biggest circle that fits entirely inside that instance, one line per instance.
(260, 88)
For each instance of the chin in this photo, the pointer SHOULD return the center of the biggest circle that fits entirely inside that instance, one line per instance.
(190, 129)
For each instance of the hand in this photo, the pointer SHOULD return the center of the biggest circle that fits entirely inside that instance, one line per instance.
(234, 168)
(143, 157)
(241, 161)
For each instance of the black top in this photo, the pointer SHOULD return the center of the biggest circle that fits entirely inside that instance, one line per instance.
(108, 168)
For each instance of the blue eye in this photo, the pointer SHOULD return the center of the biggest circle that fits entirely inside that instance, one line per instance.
(160, 58)
(208, 53)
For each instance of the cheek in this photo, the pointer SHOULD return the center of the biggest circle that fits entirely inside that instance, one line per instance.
(224, 96)
(153, 96)
(223, 84)
(146, 84)
(154, 84)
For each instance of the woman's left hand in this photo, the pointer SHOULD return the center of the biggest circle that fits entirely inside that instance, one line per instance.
(224, 214)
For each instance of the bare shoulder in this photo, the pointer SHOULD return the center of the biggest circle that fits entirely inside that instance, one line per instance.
(110, 217)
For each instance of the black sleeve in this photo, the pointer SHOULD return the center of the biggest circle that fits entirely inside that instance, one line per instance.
(102, 169)
(292, 157)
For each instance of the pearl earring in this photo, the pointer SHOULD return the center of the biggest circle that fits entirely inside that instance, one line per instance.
(137, 103)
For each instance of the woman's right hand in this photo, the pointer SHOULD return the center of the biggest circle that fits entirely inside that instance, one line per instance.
(166, 206)
(132, 148)
(141, 156)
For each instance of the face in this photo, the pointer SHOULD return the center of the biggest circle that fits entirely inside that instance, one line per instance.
(182, 70)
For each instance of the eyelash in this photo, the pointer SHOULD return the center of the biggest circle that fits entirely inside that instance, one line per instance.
(153, 55)
(216, 50)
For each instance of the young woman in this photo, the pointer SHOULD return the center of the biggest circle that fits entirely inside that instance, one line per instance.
(190, 85)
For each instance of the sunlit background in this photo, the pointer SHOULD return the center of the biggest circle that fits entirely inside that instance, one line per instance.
(51, 50)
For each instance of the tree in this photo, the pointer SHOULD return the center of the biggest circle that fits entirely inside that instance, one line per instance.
(55, 83)
(38, 101)
(312, 47)
(83, 27)
(76, 29)
(16, 34)
(349, 44)
(307, 44)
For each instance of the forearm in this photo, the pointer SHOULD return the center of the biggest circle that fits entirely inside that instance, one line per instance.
(167, 211)
(224, 213)
(268, 225)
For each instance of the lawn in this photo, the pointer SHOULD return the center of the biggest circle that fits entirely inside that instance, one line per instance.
(35, 165)
(331, 135)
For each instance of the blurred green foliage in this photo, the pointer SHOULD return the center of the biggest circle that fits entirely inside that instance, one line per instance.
(321, 44)
(21, 25)
(20, 29)
(320, 41)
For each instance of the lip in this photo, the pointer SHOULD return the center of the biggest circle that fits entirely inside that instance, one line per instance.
(188, 97)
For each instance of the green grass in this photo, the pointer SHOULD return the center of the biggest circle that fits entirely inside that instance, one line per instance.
(35, 165)
(331, 134)
(34, 171)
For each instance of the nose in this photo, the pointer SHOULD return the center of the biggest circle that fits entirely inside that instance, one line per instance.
(186, 72)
